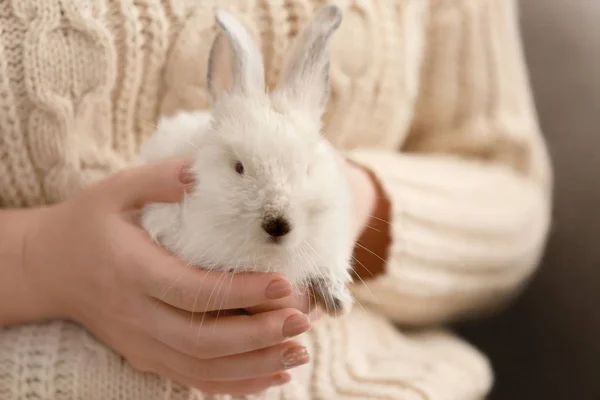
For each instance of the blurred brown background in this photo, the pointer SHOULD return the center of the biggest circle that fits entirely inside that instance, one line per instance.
(547, 344)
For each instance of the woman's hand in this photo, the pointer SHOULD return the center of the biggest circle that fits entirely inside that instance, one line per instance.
(87, 261)
(363, 194)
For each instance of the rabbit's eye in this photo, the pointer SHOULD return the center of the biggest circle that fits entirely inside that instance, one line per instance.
(239, 167)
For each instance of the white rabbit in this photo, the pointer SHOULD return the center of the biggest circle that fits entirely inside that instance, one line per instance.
(269, 192)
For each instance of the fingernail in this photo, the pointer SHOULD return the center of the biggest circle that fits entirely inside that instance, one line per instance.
(278, 289)
(185, 176)
(295, 325)
(281, 379)
(295, 356)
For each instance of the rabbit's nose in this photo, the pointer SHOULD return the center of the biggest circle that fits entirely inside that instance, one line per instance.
(276, 227)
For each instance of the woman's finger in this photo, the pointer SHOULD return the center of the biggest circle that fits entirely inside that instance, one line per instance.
(183, 369)
(193, 289)
(301, 301)
(232, 388)
(134, 187)
(252, 365)
(207, 337)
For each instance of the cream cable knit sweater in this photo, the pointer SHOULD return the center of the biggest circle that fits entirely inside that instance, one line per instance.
(442, 80)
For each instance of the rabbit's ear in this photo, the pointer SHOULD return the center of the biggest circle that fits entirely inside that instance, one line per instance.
(305, 73)
(235, 63)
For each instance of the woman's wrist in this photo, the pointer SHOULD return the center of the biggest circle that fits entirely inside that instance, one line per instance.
(20, 301)
(363, 196)
(372, 214)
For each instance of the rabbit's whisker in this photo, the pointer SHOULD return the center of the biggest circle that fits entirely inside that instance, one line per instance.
(371, 252)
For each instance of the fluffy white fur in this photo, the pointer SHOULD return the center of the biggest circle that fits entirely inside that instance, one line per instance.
(289, 169)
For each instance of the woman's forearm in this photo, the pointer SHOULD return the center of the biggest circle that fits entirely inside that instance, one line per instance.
(465, 237)
(19, 302)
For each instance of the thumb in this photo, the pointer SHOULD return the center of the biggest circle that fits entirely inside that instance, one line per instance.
(158, 182)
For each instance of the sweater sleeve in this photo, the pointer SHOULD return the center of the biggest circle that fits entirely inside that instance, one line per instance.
(466, 204)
